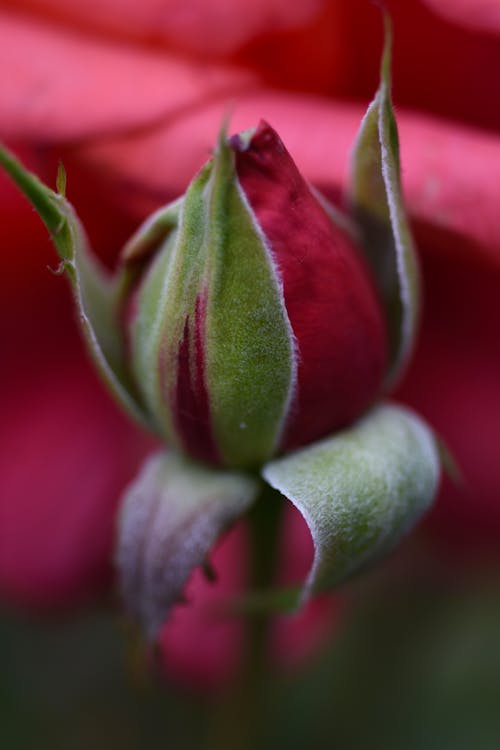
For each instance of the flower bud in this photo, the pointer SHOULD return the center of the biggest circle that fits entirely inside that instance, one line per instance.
(245, 321)
(252, 322)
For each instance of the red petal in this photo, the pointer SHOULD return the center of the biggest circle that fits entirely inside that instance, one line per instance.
(198, 26)
(70, 86)
(332, 306)
(484, 15)
(310, 57)
(190, 403)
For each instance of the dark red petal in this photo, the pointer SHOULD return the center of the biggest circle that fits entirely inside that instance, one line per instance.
(331, 303)
(190, 404)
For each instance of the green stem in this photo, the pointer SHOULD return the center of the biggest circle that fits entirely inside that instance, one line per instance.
(264, 522)
(236, 725)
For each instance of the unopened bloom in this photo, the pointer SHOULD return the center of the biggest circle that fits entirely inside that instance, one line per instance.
(252, 322)
(247, 319)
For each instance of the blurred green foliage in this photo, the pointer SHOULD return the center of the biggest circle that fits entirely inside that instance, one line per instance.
(418, 670)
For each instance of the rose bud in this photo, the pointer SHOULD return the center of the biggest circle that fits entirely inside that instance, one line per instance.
(246, 321)
(253, 325)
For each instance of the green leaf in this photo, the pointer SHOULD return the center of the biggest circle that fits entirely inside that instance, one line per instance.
(378, 207)
(96, 295)
(171, 516)
(360, 491)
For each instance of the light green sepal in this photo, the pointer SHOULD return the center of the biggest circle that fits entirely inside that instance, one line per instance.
(251, 361)
(360, 491)
(96, 295)
(153, 232)
(170, 518)
(167, 299)
(376, 198)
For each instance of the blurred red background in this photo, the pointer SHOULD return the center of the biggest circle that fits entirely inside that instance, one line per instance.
(130, 97)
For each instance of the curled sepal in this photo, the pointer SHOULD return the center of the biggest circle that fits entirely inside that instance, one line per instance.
(96, 294)
(360, 490)
(153, 232)
(170, 518)
(377, 204)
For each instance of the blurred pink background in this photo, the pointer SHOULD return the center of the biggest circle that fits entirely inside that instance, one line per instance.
(130, 96)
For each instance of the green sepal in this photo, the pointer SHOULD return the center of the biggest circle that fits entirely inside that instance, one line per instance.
(152, 233)
(251, 359)
(210, 251)
(170, 518)
(166, 299)
(96, 293)
(377, 205)
(360, 491)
